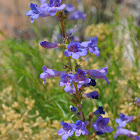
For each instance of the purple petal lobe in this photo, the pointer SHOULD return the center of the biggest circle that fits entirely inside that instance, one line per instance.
(108, 129)
(65, 137)
(67, 53)
(60, 131)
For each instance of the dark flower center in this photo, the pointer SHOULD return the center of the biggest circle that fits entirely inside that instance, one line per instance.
(73, 48)
(101, 125)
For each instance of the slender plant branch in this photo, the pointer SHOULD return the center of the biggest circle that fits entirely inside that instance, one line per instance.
(79, 105)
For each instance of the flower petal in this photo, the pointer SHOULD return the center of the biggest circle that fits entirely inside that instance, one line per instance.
(106, 121)
(77, 133)
(108, 129)
(65, 137)
(60, 131)
(83, 52)
(30, 13)
(67, 53)
(75, 56)
(44, 6)
(94, 40)
(67, 88)
(52, 11)
(61, 7)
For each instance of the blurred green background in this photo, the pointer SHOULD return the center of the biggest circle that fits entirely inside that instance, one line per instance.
(30, 110)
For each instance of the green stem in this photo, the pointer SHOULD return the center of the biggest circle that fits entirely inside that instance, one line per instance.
(62, 26)
(88, 137)
(70, 66)
(78, 97)
(64, 36)
(137, 120)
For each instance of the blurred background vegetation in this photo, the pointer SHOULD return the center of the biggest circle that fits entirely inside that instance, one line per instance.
(30, 110)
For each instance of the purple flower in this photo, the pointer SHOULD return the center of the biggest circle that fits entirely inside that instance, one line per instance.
(124, 119)
(35, 12)
(66, 80)
(48, 45)
(99, 111)
(92, 95)
(99, 133)
(100, 125)
(49, 73)
(77, 15)
(91, 83)
(74, 49)
(100, 74)
(52, 7)
(80, 77)
(70, 7)
(74, 109)
(91, 46)
(80, 127)
(138, 101)
(66, 131)
(125, 132)
(137, 137)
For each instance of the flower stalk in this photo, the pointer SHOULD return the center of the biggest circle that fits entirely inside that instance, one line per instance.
(74, 79)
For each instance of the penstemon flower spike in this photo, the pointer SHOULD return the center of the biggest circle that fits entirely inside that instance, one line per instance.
(74, 79)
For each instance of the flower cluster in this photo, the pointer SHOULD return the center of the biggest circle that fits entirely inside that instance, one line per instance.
(45, 9)
(80, 127)
(122, 121)
(68, 129)
(74, 79)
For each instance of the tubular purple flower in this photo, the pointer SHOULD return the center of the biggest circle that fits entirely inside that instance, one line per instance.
(48, 45)
(45, 10)
(125, 132)
(66, 80)
(91, 46)
(74, 109)
(92, 95)
(52, 7)
(100, 125)
(99, 111)
(66, 131)
(35, 12)
(73, 50)
(49, 73)
(77, 15)
(80, 77)
(99, 74)
(124, 119)
(80, 128)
